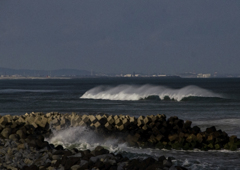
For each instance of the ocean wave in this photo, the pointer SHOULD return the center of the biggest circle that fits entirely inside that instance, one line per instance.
(145, 92)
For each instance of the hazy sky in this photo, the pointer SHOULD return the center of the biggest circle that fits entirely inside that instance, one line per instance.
(169, 36)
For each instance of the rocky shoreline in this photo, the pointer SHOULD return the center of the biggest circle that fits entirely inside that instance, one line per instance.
(22, 144)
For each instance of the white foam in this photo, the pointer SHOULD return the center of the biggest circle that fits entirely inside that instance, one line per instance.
(134, 92)
(83, 138)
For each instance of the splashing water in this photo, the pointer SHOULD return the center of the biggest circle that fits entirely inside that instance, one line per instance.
(84, 138)
(134, 92)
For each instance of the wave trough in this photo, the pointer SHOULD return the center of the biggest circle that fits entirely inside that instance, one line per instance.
(134, 92)
(25, 91)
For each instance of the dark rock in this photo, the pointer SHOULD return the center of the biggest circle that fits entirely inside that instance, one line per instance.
(147, 162)
(211, 129)
(100, 165)
(68, 163)
(99, 150)
(173, 137)
(32, 167)
(133, 164)
(6, 132)
(196, 130)
(31, 141)
(187, 124)
(155, 166)
(161, 158)
(113, 167)
(21, 133)
(14, 137)
(167, 163)
(59, 147)
(180, 168)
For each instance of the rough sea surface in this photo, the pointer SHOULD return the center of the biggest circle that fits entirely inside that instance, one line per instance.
(206, 102)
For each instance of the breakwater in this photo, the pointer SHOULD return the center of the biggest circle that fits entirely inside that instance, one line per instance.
(23, 146)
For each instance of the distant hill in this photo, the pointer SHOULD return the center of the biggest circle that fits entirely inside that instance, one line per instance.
(58, 72)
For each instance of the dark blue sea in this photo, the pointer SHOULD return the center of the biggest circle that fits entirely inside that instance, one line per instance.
(206, 102)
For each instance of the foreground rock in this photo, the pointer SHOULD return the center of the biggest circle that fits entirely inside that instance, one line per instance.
(22, 144)
(145, 131)
(15, 155)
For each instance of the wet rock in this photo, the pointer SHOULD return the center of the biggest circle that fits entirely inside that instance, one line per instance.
(21, 133)
(167, 163)
(75, 167)
(3, 121)
(14, 137)
(6, 132)
(56, 157)
(69, 162)
(211, 129)
(99, 150)
(173, 137)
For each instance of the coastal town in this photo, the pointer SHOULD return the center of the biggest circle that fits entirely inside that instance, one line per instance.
(76, 74)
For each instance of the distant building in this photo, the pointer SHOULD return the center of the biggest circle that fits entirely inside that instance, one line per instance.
(161, 75)
(203, 75)
(128, 75)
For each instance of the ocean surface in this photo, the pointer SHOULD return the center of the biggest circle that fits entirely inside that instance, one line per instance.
(206, 102)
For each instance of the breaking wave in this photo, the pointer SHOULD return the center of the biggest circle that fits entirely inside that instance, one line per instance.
(134, 92)
(83, 138)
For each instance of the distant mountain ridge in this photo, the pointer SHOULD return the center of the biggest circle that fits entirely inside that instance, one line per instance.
(37, 73)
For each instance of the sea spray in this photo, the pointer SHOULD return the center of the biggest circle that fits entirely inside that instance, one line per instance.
(84, 138)
(135, 92)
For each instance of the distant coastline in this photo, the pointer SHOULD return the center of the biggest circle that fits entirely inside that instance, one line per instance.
(77, 77)
(6, 73)
(20, 78)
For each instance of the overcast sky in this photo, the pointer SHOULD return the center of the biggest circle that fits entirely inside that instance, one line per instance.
(108, 36)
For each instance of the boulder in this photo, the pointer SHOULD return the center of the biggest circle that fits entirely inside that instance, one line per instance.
(199, 138)
(99, 150)
(191, 138)
(92, 119)
(14, 137)
(108, 126)
(41, 121)
(110, 120)
(118, 122)
(6, 132)
(211, 129)
(3, 121)
(187, 124)
(173, 137)
(21, 133)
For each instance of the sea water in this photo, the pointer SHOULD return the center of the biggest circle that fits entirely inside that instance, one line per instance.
(206, 102)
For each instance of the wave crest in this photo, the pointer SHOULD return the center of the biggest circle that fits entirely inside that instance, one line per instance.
(134, 92)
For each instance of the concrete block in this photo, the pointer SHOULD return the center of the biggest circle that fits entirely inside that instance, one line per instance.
(118, 122)
(92, 118)
(111, 120)
(108, 126)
